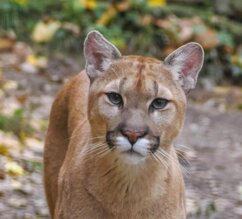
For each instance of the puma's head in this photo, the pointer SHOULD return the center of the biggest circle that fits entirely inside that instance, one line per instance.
(137, 104)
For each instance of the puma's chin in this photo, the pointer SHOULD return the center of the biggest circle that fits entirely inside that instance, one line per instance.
(133, 158)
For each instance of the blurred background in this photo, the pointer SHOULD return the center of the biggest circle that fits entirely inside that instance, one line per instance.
(41, 46)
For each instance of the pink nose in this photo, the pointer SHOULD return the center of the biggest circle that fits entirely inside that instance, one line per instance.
(133, 136)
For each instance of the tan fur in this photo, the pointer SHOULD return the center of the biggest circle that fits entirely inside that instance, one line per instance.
(81, 183)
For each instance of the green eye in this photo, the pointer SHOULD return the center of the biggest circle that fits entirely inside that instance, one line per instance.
(115, 98)
(159, 103)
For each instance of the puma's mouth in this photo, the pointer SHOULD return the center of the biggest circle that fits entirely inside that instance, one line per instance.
(122, 144)
(132, 157)
(142, 147)
(132, 152)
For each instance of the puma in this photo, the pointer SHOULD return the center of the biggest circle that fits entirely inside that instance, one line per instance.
(109, 150)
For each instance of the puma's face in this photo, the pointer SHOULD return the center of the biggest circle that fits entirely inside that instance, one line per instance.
(137, 104)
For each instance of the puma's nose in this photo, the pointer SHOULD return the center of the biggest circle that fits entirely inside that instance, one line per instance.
(132, 135)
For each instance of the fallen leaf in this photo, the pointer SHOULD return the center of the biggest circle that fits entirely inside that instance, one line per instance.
(22, 99)
(14, 169)
(10, 85)
(44, 32)
(4, 150)
(107, 16)
(71, 27)
(2, 174)
(17, 202)
(208, 38)
(6, 43)
(38, 61)
(157, 3)
(89, 4)
(146, 20)
(123, 6)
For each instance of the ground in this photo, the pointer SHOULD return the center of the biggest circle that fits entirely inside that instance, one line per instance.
(211, 142)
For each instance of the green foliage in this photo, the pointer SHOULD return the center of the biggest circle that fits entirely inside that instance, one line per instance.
(240, 107)
(134, 27)
(16, 123)
(33, 166)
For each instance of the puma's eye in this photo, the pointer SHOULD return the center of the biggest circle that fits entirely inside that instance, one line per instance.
(115, 98)
(159, 103)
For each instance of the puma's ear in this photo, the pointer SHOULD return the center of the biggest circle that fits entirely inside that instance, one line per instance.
(99, 54)
(185, 64)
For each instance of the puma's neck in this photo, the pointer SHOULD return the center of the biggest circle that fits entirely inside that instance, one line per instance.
(118, 185)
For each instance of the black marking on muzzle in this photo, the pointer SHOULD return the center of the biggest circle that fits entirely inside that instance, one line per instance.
(156, 145)
(109, 139)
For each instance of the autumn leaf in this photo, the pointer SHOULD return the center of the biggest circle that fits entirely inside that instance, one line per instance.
(4, 150)
(22, 2)
(157, 3)
(123, 6)
(14, 169)
(107, 16)
(207, 38)
(38, 61)
(10, 85)
(44, 32)
(89, 4)
(6, 43)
